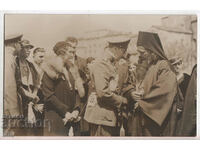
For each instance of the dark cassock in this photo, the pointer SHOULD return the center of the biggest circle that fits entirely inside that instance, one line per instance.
(183, 83)
(59, 97)
(104, 99)
(188, 119)
(155, 114)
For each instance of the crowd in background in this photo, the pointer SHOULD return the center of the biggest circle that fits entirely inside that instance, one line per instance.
(143, 93)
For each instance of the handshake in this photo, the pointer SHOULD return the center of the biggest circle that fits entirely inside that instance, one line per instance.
(72, 117)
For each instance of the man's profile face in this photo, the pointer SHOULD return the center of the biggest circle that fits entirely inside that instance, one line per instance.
(117, 52)
(70, 52)
(142, 54)
(39, 57)
(73, 45)
(178, 66)
(17, 48)
(67, 54)
(25, 52)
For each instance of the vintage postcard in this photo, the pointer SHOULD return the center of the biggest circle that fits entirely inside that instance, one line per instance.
(99, 75)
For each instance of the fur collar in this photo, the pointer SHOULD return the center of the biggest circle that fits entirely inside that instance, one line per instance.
(53, 66)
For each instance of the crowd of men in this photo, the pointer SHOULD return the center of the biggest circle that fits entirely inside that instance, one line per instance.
(122, 94)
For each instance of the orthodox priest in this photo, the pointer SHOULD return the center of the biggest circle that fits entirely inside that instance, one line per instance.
(155, 99)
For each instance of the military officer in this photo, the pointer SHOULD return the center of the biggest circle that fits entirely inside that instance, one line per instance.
(12, 108)
(104, 92)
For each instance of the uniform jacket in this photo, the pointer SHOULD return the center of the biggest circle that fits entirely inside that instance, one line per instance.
(122, 70)
(103, 111)
(11, 103)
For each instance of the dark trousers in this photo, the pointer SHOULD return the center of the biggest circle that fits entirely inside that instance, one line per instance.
(75, 127)
(102, 130)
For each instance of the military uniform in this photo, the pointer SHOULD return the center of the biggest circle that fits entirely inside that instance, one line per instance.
(103, 102)
(104, 99)
(12, 107)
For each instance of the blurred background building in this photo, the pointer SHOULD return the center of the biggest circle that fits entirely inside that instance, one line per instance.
(94, 42)
(178, 34)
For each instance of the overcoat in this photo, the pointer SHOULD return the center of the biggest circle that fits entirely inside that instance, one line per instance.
(188, 119)
(11, 104)
(59, 97)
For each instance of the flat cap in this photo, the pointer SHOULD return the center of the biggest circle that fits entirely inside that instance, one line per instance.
(175, 60)
(120, 44)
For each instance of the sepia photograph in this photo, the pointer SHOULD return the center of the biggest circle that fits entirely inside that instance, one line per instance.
(102, 75)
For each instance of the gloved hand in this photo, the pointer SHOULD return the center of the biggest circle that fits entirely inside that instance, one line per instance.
(67, 118)
(39, 107)
(74, 114)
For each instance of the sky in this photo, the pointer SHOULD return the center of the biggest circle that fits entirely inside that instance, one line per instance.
(44, 30)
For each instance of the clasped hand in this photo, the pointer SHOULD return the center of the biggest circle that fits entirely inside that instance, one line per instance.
(136, 95)
(71, 117)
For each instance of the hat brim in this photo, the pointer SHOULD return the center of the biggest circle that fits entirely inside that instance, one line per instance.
(13, 38)
(30, 46)
(177, 61)
(141, 49)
